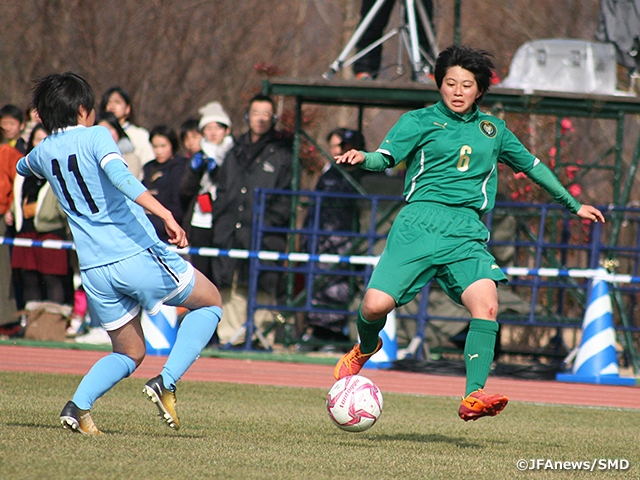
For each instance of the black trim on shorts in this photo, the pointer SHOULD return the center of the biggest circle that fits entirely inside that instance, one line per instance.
(166, 267)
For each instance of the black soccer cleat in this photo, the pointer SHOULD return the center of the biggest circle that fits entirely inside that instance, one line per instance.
(79, 421)
(164, 399)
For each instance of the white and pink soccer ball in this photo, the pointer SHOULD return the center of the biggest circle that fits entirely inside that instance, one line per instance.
(354, 403)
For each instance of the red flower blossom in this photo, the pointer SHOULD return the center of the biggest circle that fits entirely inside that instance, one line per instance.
(571, 171)
(575, 189)
(566, 126)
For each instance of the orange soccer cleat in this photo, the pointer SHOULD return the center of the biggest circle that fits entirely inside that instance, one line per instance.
(351, 363)
(479, 404)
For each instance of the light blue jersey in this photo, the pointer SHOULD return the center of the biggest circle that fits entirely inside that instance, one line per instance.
(106, 225)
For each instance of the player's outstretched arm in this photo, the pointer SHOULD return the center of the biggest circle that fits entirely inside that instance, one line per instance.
(590, 213)
(177, 235)
(543, 176)
(374, 161)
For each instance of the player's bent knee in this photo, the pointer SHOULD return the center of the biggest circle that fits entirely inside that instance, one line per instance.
(486, 312)
(376, 307)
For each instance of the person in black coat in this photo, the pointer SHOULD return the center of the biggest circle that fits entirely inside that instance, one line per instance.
(261, 158)
(161, 176)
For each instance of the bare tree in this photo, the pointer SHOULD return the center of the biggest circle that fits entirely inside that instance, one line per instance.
(173, 57)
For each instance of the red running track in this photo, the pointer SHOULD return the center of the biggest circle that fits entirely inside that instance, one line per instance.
(64, 361)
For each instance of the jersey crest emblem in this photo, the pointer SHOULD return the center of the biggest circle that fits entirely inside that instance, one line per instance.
(488, 128)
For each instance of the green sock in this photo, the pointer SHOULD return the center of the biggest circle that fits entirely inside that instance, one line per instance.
(478, 352)
(368, 332)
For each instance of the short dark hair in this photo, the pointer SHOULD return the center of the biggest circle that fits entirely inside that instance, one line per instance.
(125, 96)
(111, 119)
(189, 125)
(58, 98)
(476, 61)
(10, 110)
(167, 132)
(262, 98)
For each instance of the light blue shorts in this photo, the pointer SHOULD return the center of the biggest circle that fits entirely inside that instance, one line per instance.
(149, 279)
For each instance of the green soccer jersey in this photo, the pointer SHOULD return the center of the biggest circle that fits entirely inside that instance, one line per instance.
(453, 159)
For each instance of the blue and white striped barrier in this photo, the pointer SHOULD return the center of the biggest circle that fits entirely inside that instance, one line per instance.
(160, 330)
(599, 276)
(597, 359)
(372, 260)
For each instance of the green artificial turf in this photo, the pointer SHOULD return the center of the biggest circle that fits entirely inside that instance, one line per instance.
(263, 432)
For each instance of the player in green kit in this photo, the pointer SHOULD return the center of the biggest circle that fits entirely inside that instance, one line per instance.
(452, 151)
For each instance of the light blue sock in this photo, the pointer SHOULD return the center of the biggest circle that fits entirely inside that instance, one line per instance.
(194, 334)
(104, 374)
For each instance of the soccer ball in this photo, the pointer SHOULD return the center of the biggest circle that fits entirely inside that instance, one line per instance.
(354, 403)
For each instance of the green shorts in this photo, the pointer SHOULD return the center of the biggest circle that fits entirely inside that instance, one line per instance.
(429, 240)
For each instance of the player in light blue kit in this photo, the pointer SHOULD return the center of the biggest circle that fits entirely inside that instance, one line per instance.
(124, 266)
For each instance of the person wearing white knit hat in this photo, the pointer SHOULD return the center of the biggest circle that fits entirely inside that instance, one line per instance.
(215, 126)
(213, 112)
(199, 179)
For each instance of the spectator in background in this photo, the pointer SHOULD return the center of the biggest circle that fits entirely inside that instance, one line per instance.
(109, 121)
(190, 136)
(198, 184)
(340, 140)
(335, 215)
(117, 101)
(36, 215)
(12, 124)
(31, 120)
(9, 157)
(260, 158)
(335, 139)
(162, 175)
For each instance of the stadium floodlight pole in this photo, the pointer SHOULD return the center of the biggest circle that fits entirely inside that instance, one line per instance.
(408, 26)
